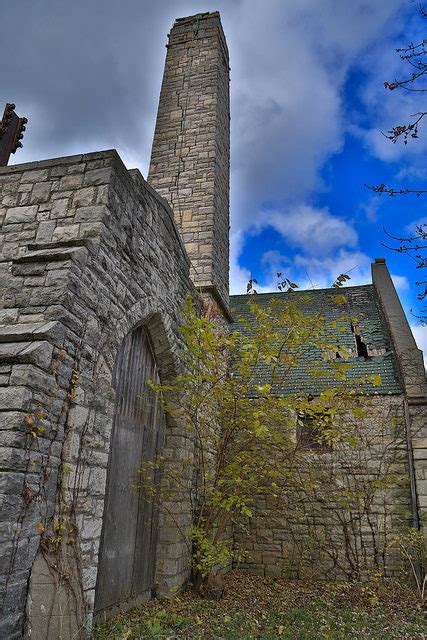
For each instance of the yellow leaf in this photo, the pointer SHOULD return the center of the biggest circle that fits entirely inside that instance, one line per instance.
(340, 299)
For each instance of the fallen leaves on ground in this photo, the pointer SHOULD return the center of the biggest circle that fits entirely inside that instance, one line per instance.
(264, 608)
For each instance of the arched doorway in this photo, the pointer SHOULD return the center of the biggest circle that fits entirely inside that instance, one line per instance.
(129, 533)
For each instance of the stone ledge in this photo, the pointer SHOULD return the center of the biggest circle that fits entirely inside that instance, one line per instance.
(41, 246)
(38, 352)
(56, 254)
(52, 330)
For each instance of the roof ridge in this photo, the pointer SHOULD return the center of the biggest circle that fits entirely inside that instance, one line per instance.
(282, 293)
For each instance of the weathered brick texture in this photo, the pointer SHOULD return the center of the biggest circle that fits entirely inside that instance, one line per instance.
(190, 160)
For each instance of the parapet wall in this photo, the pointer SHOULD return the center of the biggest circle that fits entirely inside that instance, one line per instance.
(88, 252)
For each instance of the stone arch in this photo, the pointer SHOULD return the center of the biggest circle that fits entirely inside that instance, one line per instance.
(173, 560)
(159, 327)
(172, 565)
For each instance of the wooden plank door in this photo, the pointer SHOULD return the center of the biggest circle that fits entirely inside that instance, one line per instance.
(129, 535)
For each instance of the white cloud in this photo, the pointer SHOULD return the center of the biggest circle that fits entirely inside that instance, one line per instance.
(309, 228)
(386, 109)
(322, 272)
(239, 276)
(306, 270)
(290, 63)
(326, 246)
(411, 172)
(275, 261)
(400, 282)
(370, 208)
(420, 335)
(411, 228)
(381, 147)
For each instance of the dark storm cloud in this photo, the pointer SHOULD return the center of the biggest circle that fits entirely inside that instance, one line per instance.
(86, 74)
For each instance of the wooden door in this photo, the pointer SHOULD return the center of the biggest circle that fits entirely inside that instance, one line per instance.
(129, 534)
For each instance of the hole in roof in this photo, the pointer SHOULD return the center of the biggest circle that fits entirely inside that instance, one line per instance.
(361, 347)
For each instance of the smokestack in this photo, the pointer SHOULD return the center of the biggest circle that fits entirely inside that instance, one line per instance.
(190, 159)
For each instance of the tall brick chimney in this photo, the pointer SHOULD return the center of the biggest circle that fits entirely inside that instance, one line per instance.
(190, 159)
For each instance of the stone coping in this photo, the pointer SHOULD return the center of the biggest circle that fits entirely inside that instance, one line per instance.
(54, 162)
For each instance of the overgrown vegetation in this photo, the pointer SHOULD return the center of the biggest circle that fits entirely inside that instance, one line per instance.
(323, 466)
(250, 440)
(268, 609)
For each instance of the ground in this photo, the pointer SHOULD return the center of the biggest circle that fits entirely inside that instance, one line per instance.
(254, 607)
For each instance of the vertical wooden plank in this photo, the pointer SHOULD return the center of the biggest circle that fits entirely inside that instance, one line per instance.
(129, 537)
(146, 541)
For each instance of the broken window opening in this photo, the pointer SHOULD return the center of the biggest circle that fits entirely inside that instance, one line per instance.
(309, 433)
(361, 347)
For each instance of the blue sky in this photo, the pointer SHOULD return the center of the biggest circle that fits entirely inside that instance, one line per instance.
(308, 107)
(315, 218)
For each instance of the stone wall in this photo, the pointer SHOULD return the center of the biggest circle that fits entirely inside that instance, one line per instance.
(343, 504)
(190, 161)
(321, 531)
(416, 413)
(88, 252)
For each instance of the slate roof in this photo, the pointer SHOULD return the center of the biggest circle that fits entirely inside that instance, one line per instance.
(362, 301)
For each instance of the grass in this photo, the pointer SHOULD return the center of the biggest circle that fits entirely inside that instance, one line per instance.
(276, 609)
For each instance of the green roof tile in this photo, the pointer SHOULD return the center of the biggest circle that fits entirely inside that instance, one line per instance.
(362, 302)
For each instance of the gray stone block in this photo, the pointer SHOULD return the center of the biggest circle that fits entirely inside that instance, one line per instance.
(38, 353)
(73, 181)
(21, 214)
(15, 398)
(40, 193)
(97, 177)
(92, 214)
(52, 330)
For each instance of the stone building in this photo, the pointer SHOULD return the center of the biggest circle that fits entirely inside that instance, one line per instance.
(95, 266)
(343, 523)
